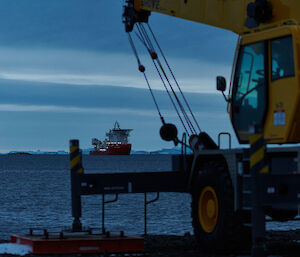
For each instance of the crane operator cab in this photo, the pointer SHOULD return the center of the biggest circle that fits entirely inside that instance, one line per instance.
(265, 85)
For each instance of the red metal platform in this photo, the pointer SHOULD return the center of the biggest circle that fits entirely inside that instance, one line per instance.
(72, 242)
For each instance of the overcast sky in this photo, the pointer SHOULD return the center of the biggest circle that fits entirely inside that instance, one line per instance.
(67, 71)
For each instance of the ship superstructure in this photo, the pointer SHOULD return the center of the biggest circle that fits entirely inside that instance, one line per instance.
(116, 142)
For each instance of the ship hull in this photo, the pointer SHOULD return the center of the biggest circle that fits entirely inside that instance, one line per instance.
(123, 149)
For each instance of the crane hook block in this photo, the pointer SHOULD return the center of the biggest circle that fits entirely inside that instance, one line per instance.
(131, 16)
(168, 132)
(258, 12)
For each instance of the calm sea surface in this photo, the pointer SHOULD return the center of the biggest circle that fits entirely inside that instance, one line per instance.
(35, 192)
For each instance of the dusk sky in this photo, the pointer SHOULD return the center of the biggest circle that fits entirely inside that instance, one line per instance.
(67, 71)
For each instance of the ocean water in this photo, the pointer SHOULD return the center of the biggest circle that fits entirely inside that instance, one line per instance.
(35, 193)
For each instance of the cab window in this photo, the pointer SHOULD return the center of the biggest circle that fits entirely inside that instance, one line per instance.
(282, 57)
(249, 95)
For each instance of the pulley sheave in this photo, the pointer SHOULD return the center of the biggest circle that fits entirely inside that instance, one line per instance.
(131, 16)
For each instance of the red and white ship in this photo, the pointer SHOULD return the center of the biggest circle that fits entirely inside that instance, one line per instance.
(116, 142)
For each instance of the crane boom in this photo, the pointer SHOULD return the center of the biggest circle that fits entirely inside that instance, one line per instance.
(236, 15)
(265, 80)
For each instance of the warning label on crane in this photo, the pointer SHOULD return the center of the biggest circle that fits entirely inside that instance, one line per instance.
(279, 118)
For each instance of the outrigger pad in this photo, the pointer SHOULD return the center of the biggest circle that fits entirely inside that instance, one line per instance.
(207, 142)
(80, 243)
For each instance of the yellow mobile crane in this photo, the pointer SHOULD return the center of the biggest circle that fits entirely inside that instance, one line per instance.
(264, 97)
(231, 189)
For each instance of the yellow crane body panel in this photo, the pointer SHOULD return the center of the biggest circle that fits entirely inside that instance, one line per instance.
(226, 14)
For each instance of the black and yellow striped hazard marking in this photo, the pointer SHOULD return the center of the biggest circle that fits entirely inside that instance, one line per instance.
(75, 157)
(257, 154)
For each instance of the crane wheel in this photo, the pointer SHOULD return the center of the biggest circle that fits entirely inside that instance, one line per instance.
(208, 209)
(215, 224)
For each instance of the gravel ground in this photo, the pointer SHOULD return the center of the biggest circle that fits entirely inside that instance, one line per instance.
(285, 244)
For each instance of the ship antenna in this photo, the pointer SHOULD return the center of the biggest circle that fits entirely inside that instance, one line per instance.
(117, 125)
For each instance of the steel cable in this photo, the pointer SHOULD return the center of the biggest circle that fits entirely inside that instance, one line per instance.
(141, 36)
(148, 84)
(165, 59)
(149, 46)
